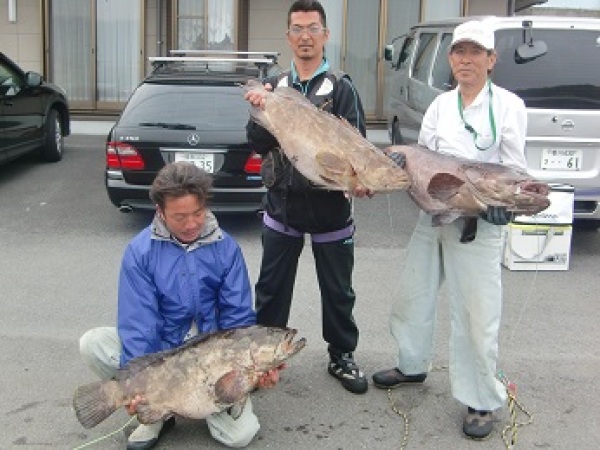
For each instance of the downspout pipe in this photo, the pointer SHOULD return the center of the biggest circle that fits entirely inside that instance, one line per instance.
(159, 41)
(510, 8)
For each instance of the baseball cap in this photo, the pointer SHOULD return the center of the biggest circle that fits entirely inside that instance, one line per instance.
(474, 31)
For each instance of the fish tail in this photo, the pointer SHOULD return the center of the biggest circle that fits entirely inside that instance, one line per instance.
(94, 402)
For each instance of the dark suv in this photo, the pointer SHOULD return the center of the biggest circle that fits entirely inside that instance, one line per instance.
(190, 108)
(34, 115)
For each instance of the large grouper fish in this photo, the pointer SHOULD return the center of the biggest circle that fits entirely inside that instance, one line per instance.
(448, 187)
(324, 148)
(207, 374)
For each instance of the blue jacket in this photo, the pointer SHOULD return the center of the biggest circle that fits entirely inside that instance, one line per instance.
(164, 286)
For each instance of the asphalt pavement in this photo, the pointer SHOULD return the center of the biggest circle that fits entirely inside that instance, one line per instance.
(62, 242)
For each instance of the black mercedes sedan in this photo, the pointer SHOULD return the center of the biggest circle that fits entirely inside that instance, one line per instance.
(34, 114)
(188, 109)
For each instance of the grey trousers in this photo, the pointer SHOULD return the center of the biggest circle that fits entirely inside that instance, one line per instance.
(100, 349)
(473, 274)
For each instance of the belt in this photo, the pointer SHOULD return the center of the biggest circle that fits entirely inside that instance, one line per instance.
(318, 238)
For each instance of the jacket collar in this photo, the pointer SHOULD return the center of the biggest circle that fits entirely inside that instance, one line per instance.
(209, 234)
(324, 67)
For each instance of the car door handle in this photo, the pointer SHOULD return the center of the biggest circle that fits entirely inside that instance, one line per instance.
(8, 103)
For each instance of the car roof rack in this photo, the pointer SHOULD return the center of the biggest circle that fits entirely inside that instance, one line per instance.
(216, 61)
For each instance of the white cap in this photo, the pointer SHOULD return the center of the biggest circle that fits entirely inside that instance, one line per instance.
(474, 31)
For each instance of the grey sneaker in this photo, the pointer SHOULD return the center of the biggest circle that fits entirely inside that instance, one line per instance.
(344, 368)
(145, 437)
(478, 424)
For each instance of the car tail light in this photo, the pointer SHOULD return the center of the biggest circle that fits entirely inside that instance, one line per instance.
(253, 163)
(123, 156)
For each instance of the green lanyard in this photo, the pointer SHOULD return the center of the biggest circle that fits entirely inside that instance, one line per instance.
(470, 129)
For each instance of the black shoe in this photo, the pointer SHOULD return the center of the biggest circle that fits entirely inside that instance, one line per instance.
(345, 369)
(393, 378)
(153, 435)
(478, 424)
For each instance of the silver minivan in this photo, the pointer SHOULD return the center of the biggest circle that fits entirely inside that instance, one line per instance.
(552, 63)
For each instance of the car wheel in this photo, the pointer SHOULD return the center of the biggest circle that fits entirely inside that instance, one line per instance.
(396, 135)
(52, 149)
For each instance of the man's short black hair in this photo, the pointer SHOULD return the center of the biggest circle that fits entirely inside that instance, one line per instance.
(307, 6)
(179, 179)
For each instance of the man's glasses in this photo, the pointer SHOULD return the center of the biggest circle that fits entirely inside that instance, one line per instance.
(312, 30)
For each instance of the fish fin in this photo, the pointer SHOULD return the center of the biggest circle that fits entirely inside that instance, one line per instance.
(443, 186)
(138, 364)
(238, 408)
(332, 163)
(335, 171)
(230, 387)
(94, 402)
(146, 415)
(142, 362)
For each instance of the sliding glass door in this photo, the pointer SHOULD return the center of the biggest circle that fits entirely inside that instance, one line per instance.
(96, 50)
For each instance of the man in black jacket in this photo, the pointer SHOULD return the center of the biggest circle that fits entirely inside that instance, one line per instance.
(294, 207)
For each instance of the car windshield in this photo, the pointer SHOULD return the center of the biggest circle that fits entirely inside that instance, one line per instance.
(186, 108)
(565, 77)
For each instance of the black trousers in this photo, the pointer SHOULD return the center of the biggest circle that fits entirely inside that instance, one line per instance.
(334, 262)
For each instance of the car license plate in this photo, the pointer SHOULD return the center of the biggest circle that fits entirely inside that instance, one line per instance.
(561, 159)
(205, 161)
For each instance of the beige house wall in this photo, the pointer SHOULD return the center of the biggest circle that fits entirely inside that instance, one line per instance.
(486, 7)
(267, 23)
(22, 41)
(151, 37)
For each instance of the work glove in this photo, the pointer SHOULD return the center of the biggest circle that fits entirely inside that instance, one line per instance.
(497, 215)
(398, 158)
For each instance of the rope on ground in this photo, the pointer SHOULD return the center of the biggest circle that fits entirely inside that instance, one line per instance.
(509, 433)
(102, 438)
(402, 414)
(404, 417)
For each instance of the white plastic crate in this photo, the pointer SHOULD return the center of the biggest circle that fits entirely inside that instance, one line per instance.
(537, 247)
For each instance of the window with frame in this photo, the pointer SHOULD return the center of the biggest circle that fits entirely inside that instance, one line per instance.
(403, 58)
(441, 74)
(9, 81)
(424, 57)
(206, 24)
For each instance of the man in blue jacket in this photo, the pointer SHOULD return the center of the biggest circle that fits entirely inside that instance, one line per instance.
(180, 276)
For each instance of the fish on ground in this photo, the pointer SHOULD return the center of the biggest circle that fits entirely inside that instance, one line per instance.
(448, 187)
(207, 374)
(324, 148)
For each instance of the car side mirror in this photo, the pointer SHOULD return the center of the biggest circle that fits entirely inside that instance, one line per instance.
(33, 79)
(388, 52)
(528, 52)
